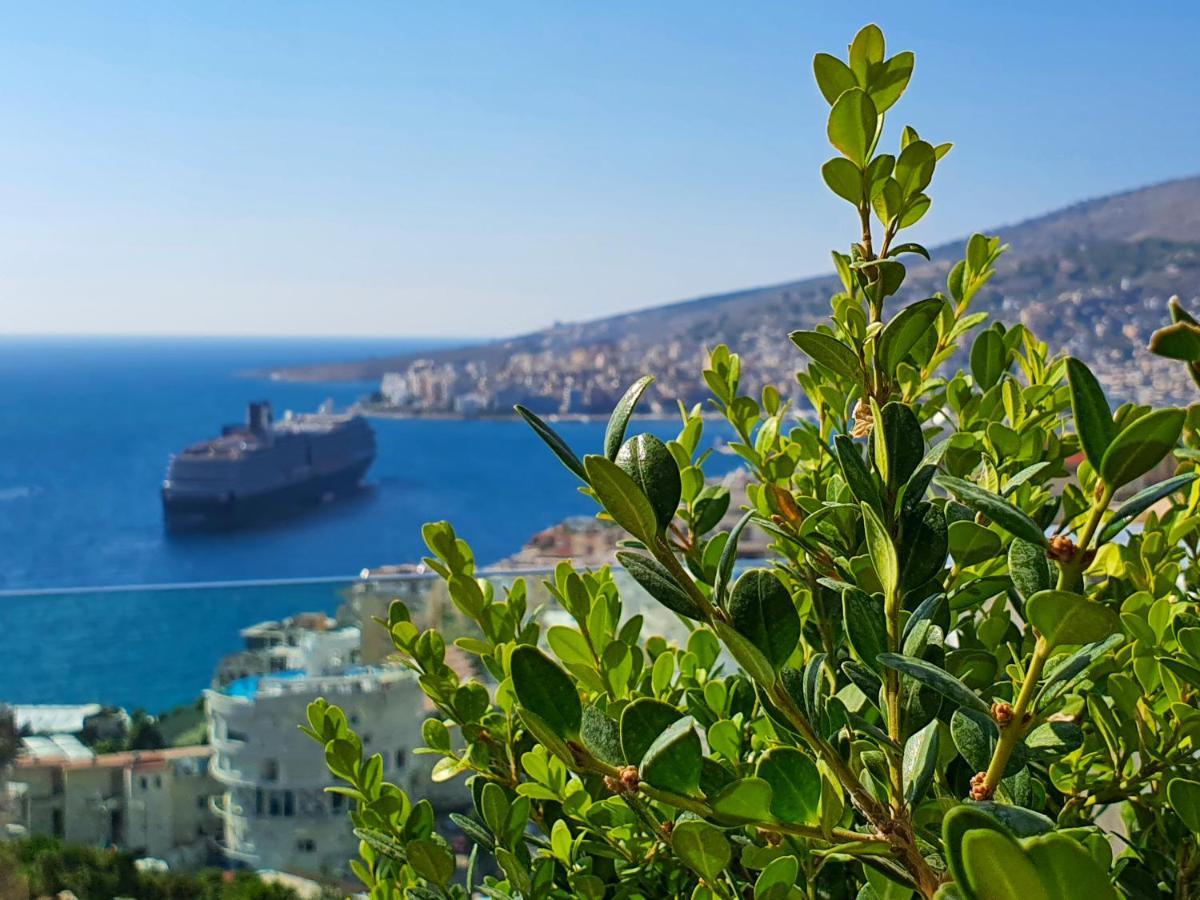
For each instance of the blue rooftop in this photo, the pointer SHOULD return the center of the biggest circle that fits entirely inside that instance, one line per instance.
(247, 687)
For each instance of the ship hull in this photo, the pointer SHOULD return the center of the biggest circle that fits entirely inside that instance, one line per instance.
(193, 512)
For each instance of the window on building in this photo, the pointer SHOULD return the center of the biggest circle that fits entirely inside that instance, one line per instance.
(56, 822)
(306, 845)
(233, 735)
(158, 781)
(289, 803)
(258, 802)
(337, 802)
(275, 807)
(401, 758)
(200, 801)
(270, 770)
(143, 783)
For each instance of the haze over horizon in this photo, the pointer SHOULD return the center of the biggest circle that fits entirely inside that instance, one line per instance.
(306, 170)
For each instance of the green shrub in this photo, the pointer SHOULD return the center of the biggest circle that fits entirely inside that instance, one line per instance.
(40, 867)
(962, 673)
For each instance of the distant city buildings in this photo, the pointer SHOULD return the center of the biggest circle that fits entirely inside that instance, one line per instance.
(154, 803)
(586, 540)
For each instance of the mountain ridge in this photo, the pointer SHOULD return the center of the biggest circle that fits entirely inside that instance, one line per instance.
(1071, 273)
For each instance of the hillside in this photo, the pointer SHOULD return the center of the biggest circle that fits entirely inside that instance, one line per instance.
(1092, 278)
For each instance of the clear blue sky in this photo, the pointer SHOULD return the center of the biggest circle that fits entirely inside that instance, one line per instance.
(486, 168)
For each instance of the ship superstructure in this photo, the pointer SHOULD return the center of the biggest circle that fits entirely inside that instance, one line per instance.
(266, 469)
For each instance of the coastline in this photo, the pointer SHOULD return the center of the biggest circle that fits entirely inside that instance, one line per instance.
(443, 416)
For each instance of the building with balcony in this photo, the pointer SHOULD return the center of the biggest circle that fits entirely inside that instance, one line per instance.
(275, 810)
(153, 803)
(290, 644)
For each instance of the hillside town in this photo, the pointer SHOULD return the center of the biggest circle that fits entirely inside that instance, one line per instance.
(1092, 280)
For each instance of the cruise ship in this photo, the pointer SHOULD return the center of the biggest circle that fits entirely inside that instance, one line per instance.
(265, 470)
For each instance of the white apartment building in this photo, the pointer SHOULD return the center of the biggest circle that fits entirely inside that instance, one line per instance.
(290, 644)
(276, 812)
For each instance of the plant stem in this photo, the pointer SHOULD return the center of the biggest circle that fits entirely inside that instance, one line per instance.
(892, 690)
(1070, 576)
(1012, 732)
(871, 808)
(664, 555)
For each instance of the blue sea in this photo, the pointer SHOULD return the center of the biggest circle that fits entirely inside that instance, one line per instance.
(86, 426)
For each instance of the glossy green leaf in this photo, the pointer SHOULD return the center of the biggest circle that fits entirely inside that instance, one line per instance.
(795, 785)
(748, 656)
(642, 721)
(614, 434)
(601, 736)
(1051, 740)
(702, 847)
(975, 735)
(1142, 501)
(866, 626)
(920, 762)
(672, 762)
(852, 122)
(745, 801)
(997, 868)
(863, 677)
(659, 583)
(956, 825)
(1179, 314)
(777, 878)
(1029, 568)
(1184, 797)
(1020, 821)
(971, 543)
(762, 611)
(866, 51)
(901, 434)
(1093, 417)
(545, 689)
(1141, 445)
(995, 507)
(1185, 671)
(622, 498)
(545, 734)
(882, 551)
(728, 557)
(829, 352)
(974, 668)
(1180, 340)
(833, 76)
(924, 542)
(1067, 870)
(914, 210)
(844, 179)
(1065, 618)
(858, 476)
(905, 330)
(1062, 674)
(988, 358)
(431, 861)
(914, 167)
(556, 444)
(889, 80)
(939, 679)
(646, 460)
